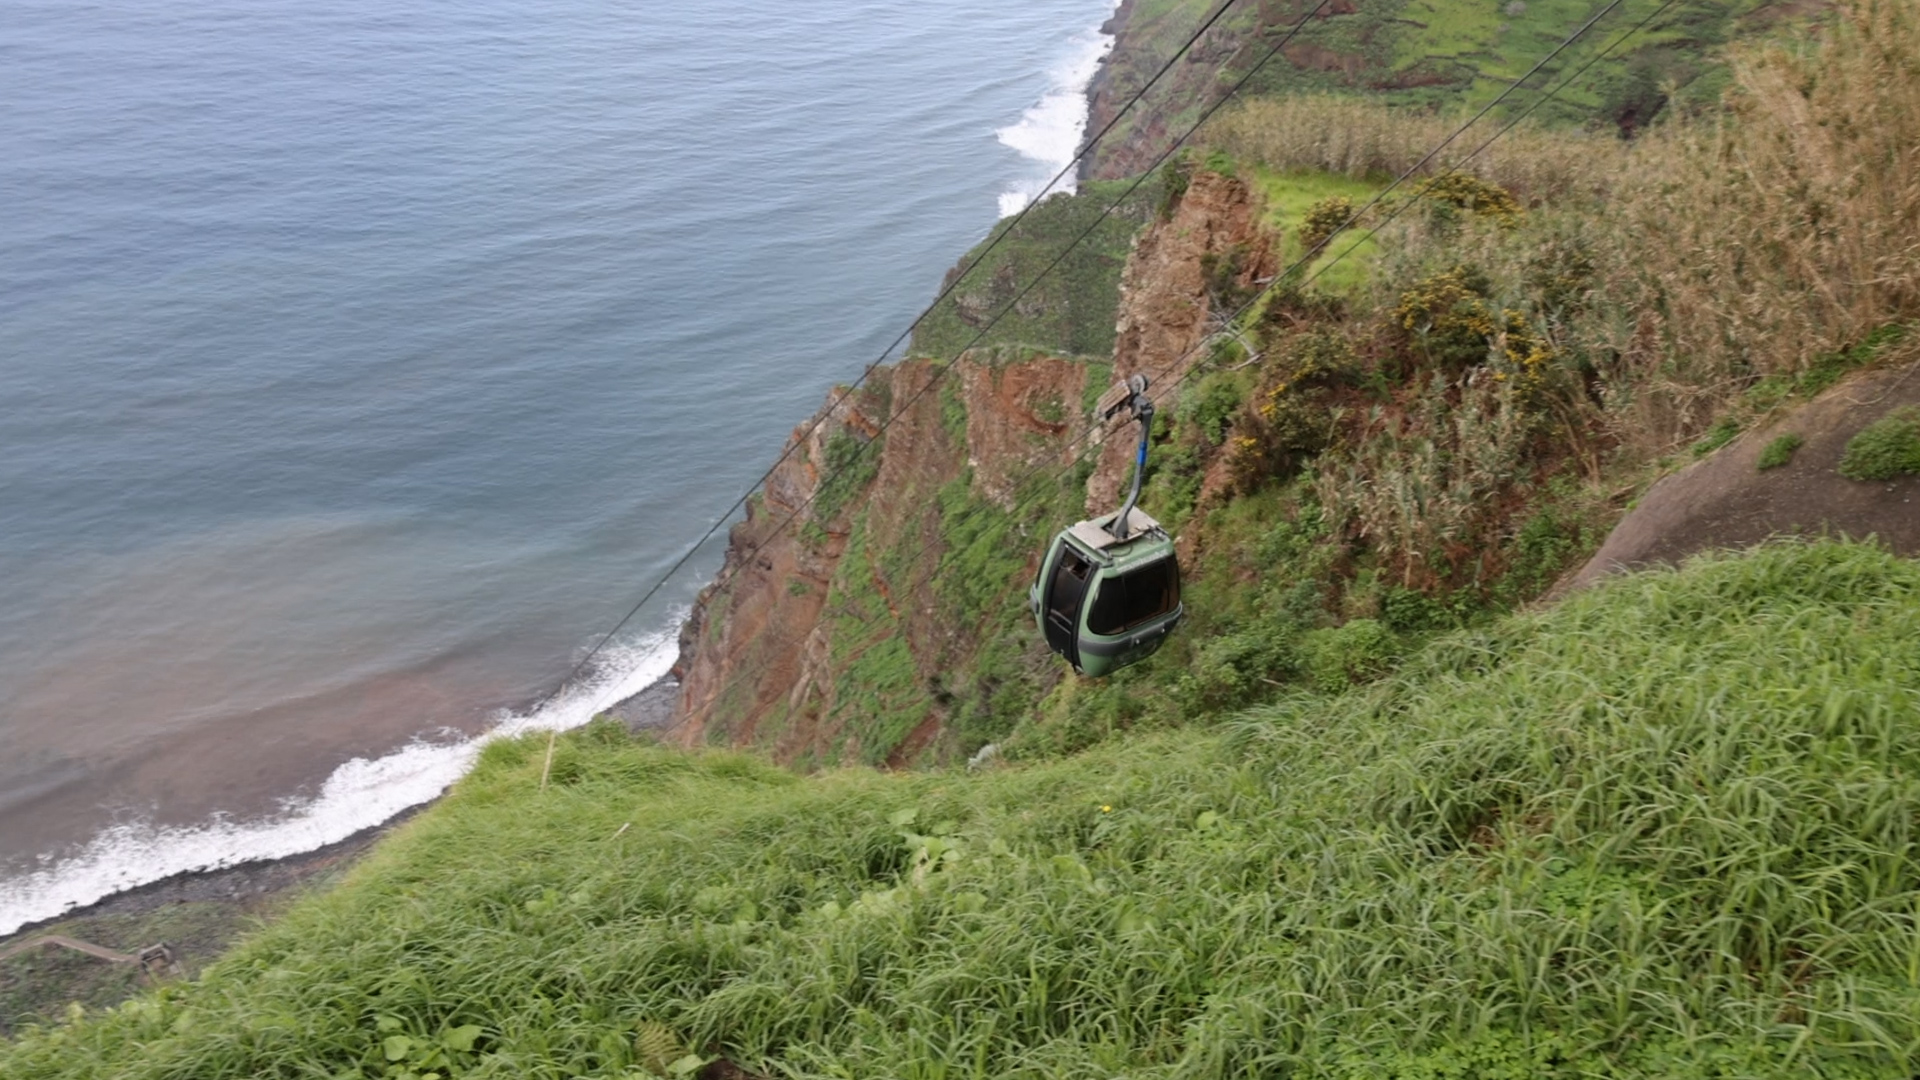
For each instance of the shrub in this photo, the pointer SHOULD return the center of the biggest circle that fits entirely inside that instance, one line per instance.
(1335, 659)
(1448, 316)
(1474, 195)
(1233, 669)
(1884, 449)
(1210, 406)
(1323, 219)
(1779, 451)
(848, 468)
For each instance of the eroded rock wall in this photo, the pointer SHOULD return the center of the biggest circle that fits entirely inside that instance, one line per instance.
(801, 610)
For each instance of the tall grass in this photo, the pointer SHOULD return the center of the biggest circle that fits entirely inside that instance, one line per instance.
(1664, 830)
(1652, 292)
(1364, 139)
(1728, 245)
(1749, 244)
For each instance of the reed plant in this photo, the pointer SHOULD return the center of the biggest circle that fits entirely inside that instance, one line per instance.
(1750, 243)
(1365, 139)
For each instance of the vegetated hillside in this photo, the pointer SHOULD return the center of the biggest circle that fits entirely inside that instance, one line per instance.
(1663, 830)
(1420, 55)
(1386, 445)
(872, 604)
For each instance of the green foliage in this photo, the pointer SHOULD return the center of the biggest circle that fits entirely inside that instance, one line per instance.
(1233, 669)
(1323, 219)
(850, 465)
(1720, 434)
(1448, 316)
(1072, 309)
(953, 411)
(1779, 451)
(1465, 192)
(1175, 470)
(1885, 449)
(1663, 830)
(1341, 656)
(1175, 177)
(1540, 551)
(1209, 405)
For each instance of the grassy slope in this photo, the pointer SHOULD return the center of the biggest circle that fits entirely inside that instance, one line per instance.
(1289, 195)
(1458, 53)
(1069, 310)
(1663, 830)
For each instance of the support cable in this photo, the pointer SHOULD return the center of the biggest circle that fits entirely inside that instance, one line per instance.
(867, 373)
(1164, 393)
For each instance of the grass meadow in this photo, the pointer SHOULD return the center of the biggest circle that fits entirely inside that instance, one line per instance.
(1663, 830)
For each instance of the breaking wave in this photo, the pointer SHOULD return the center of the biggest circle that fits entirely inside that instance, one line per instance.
(358, 795)
(1049, 132)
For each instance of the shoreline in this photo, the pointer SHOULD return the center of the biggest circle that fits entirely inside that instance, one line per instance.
(202, 914)
(254, 880)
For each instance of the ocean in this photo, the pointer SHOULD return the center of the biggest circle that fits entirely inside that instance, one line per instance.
(361, 366)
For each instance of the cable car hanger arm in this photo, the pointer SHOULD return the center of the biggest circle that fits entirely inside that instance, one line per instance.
(1141, 406)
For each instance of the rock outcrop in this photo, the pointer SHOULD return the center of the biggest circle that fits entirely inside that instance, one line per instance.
(1727, 501)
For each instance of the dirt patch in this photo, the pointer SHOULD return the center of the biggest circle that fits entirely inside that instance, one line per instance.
(1726, 501)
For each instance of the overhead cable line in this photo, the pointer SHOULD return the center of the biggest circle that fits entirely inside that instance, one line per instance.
(1164, 393)
(867, 372)
(981, 334)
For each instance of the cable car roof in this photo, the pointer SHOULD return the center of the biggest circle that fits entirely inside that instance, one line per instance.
(1094, 534)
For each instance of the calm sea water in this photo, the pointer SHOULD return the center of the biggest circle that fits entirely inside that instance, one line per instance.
(360, 365)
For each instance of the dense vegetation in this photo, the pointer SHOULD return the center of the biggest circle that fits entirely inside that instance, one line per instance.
(1000, 296)
(1433, 429)
(1664, 830)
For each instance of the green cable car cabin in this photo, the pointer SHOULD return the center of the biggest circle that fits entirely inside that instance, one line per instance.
(1108, 591)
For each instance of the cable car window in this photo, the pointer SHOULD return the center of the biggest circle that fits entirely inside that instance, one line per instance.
(1136, 597)
(1068, 589)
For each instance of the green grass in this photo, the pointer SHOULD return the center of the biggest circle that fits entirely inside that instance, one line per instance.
(1779, 452)
(1885, 449)
(1290, 195)
(1664, 830)
(1720, 434)
(1825, 370)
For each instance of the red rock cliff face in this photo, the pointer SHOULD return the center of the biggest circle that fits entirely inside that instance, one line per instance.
(766, 656)
(1170, 297)
(831, 633)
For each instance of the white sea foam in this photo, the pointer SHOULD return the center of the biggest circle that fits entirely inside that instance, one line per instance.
(1049, 133)
(359, 794)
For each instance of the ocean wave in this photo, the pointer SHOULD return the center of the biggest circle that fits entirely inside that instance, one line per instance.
(358, 795)
(1049, 132)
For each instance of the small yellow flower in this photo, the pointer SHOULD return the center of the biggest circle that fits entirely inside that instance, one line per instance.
(1106, 809)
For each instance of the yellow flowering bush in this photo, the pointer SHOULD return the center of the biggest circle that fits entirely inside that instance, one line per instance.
(1474, 195)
